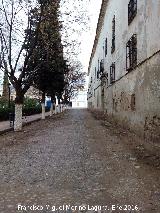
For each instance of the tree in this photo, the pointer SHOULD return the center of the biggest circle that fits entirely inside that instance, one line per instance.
(74, 80)
(13, 46)
(49, 77)
(74, 15)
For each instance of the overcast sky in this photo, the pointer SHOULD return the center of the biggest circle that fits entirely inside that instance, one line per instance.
(82, 31)
(88, 37)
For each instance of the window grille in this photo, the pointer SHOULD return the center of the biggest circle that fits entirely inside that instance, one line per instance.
(132, 10)
(106, 47)
(102, 66)
(131, 53)
(113, 35)
(112, 73)
(98, 70)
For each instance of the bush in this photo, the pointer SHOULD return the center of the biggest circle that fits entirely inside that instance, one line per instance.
(4, 114)
(30, 107)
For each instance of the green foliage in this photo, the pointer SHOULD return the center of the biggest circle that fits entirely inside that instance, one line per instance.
(30, 107)
(4, 113)
(48, 55)
(3, 103)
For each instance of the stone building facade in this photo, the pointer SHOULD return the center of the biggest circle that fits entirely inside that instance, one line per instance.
(124, 68)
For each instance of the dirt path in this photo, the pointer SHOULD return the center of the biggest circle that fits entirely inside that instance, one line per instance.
(73, 159)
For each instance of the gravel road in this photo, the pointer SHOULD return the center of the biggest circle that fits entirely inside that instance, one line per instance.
(72, 159)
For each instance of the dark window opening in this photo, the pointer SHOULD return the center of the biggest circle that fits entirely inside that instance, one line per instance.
(113, 35)
(102, 66)
(132, 10)
(112, 73)
(133, 102)
(131, 53)
(98, 70)
(106, 47)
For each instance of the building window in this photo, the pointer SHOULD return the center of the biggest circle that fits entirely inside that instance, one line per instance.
(113, 35)
(98, 70)
(133, 102)
(112, 73)
(132, 10)
(131, 53)
(95, 72)
(106, 47)
(102, 66)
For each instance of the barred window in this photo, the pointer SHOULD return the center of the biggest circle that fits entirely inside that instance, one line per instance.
(113, 35)
(132, 10)
(131, 53)
(98, 70)
(102, 66)
(106, 45)
(112, 73)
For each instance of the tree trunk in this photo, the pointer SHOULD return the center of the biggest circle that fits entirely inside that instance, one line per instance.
(59, 106)
(52, 104)
(51, 109)
(43, 105)
(55, 111)
(18, 117)
(18, 110)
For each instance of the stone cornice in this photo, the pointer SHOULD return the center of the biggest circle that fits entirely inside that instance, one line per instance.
(98, 30)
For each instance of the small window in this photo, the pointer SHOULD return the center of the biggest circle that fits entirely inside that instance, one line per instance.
(106, 47)
(112, 73)
(102, 66)
(98, 70)
(113, 35)
(132, 10)
(131, 53)
(95, 72)
(133, 102)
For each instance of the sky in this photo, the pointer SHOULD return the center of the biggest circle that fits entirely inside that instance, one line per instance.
(83, 30)
(88, 37)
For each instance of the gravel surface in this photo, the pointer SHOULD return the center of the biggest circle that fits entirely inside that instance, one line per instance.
(73, 159)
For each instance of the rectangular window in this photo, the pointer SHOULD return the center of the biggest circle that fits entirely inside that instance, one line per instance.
(106, 47)
(133, 102)
(98, 70)
(102, 66)
(112, 73)
(132, 10)
(131, 53)
(113, 35)
(95, 72)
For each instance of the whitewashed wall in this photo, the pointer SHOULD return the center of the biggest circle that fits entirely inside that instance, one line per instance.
(146, 79)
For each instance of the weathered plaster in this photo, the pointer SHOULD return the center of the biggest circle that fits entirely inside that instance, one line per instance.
(135, 97)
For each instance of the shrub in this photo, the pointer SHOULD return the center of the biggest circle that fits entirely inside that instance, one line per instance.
(30, 107)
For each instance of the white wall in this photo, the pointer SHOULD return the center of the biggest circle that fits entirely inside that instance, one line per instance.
(80, 101)
(144, 81)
